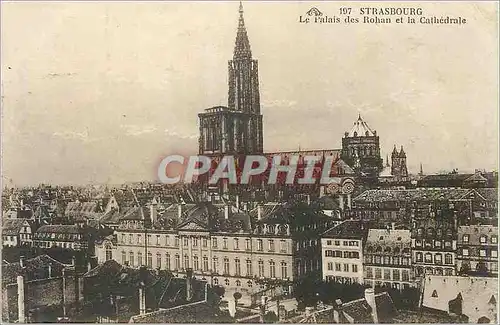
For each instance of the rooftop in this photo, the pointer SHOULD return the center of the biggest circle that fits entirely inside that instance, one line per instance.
(348, 229)
(361, 129)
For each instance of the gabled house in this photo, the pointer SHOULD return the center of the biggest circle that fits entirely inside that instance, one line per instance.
(17, 232)
(473, 297)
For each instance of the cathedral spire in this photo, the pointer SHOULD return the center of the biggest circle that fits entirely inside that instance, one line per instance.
(242, 45)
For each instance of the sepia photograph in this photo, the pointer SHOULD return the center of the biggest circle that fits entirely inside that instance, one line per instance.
(249, 162)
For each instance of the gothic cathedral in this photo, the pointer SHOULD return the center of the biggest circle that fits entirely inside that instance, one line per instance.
(236, 129)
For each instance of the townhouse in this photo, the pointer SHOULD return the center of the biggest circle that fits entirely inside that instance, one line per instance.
(342, 252)
(477, 250)
(387, 257)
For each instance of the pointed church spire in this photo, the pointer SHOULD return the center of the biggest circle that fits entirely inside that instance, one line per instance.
(242, 45)
(394, 151)
(387, 161)
(421, 169)
(402, 152)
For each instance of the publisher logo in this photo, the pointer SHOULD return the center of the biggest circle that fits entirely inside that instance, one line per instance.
(314, 12)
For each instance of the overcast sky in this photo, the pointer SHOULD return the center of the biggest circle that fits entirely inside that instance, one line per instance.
(101, 92)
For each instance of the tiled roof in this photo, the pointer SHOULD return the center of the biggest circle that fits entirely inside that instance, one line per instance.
(198, 312)
(476, 294)
(361, 311)
(110, 267)
(110, 217)
(446, 177)
(60, 229)
(328, 203)
(475, 232)
(12, 227)
(35, 268)
(135, 213)
(489, 194)
(348, 229)
(420, 194)
(386, 237)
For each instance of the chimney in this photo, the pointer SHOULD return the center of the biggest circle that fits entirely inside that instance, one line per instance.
(232, 307)
(341, 202)
(142, 301)
(370, 299)
(189, 284)
(308, 199)
(153, 213)
(20, 299)
(179, 211)
(50, 270)
(237, 202)
(337, 311)
(393, 226)
(21, 261)
(321, 191)
(226, 211)
(259, 212)
(89, 266)
(73, 262)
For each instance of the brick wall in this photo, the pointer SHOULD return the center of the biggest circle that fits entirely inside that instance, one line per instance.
(38, 294)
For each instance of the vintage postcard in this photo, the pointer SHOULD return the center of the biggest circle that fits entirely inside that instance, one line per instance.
(249, 162)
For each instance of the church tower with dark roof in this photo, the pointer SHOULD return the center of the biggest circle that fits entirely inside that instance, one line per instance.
(361, 147)
(399, 168)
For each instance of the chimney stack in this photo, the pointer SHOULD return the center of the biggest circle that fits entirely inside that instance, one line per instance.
(50, 270)
(232, 307)
(237, 202)
(179, 211)
(337, 311)
(153, 213)
(308, 199)
(21, 261)
(370, 299)
(142, 301)
(393, 226)
(321, 191)
(20, 299)
(226, 211)
(189, 284)
(259, 212)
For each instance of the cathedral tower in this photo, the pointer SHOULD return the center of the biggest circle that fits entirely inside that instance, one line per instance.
(399, 168)
(236, 129)
(361, 147)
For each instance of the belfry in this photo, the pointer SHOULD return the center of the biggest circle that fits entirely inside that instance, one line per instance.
(237, 128)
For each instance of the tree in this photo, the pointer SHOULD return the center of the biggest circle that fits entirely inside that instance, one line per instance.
(270, 317)
(219, 290)
(237, 296)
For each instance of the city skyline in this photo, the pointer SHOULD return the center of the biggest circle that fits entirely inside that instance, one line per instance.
(144, 73)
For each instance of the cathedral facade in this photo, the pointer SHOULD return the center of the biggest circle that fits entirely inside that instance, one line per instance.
(237, 129)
